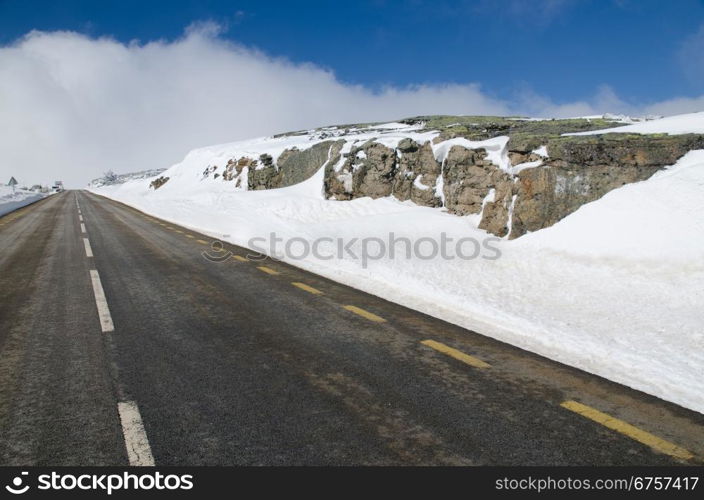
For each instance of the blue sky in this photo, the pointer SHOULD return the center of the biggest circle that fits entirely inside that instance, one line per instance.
(563, 49)
(87, 85)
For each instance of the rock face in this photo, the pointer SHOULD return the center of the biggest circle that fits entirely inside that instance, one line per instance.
(578, 170)
(158, 182)
(584, 168)
(468, 178)
(546, 176)
(292, 166)
(234, 169)
(367, 171)
(417, 175)
(409, 172)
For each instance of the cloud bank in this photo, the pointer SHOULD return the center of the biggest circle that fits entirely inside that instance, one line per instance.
(73, 107)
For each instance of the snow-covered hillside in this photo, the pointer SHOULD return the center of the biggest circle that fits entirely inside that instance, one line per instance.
(616, 288)
(188, 174)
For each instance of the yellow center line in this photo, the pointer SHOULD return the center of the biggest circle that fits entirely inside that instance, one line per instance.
(267, 270)
(307, 288)
(177, 231)
(454, 353)
(202, 242)
(365, 314)
(190, 236)
(629, 430)
(240, 258)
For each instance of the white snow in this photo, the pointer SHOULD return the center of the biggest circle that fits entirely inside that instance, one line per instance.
(188, 175)
(629, 119)
(346, 179)
(495, 148)
(397, 126)
(616, 288)
(489, 198)
(11, 201)
(522, 166)
(439, 188)
(418, 184)
(346, 148)
(691, 123)
(660, 220)
(541, 151)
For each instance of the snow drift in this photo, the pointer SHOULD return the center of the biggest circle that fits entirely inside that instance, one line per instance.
(616, 288)
(12, 200)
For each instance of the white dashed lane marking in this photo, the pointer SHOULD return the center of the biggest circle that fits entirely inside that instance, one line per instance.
(89, 250)
(101, 303)
(139, 452)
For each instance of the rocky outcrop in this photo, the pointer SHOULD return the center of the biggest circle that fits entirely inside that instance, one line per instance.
(293, 165)
(408, 172)
(296, 166)
(546, 175)
(418, 174)
(235, 168)
(367, 171)
(158, 182)
(467, 179)
(578, 170)
(262, 174)
(582, 169)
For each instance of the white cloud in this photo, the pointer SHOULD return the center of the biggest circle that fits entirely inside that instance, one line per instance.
(675, 106)
(73, 107)
(603, 101)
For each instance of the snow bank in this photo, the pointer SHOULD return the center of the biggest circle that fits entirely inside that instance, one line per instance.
(616, 288)
(11, 201)
(660, 220)
(691, 123)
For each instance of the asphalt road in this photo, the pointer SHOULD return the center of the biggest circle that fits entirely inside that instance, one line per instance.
(200, 362)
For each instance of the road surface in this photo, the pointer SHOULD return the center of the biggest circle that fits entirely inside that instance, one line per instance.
(121, 344)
